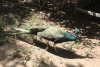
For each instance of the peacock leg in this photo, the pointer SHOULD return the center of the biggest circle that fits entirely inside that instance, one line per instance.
(36, 37)
(47, 43)
(54, 47)
(41, 38)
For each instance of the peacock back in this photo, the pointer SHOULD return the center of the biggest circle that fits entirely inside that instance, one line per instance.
(52, 33)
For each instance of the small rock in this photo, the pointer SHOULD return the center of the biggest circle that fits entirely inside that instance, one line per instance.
(87, 59)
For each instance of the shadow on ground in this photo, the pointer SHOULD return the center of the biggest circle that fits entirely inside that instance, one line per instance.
(61, 52)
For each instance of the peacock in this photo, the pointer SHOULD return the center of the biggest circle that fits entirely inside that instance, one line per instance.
(57, 35)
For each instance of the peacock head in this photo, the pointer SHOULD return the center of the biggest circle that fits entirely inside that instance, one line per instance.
(77, 30)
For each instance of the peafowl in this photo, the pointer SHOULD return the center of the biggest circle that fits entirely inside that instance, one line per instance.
(57, 35)
(54, 34)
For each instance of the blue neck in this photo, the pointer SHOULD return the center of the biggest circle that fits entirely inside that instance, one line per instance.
(71, 37)
(67, 37)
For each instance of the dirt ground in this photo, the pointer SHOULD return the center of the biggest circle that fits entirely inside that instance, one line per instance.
(26, 52)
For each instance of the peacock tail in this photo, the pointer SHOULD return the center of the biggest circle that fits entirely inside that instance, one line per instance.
(31, 30)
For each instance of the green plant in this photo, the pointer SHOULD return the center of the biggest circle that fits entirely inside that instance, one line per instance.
(11, 15)
(76, 45)
(98, 44)
(90, 50)
(25, 37)
(17, 54)
(33, 17)
(39, 36)
(29, 38)
(6, 39)
(70, 47)
(41, 13)
(24, 62)
(26, 50)
(18, 17)
(51, 23)
(16, 22)
(86, 53)
(42, 60)
(15, 48)
(63, 45)
(28, 22)
(46, 59)
(46, 48)
(27, 27)
(41, 24)
(27, 58)
(34, 44)
(19, 35)
(37, 22)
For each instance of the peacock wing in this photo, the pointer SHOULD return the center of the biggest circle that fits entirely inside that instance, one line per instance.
(51, 33)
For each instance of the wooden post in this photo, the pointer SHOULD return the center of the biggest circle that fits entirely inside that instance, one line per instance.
(75, 6)
(40, 2)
